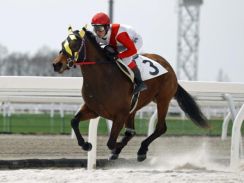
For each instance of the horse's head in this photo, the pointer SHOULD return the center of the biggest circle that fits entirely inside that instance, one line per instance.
(70, 52)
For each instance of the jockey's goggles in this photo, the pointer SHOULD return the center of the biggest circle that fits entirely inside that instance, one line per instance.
(99, 28)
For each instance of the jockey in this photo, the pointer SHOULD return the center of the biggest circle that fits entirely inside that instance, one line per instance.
(124, 40)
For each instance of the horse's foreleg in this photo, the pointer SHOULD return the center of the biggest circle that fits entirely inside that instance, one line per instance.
(84, 114)
(128, 135)
(159, 130)
(117, 126)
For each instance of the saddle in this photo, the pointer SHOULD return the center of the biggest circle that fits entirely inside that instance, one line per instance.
(148, 68)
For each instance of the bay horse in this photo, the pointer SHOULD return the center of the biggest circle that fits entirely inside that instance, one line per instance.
(107, 92)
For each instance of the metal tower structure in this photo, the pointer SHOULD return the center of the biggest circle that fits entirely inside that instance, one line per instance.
(188, 39)
(111, 9)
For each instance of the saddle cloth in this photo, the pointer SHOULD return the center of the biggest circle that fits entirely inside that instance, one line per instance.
(148, 67)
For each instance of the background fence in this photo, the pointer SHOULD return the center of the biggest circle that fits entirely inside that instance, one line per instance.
(45, 95)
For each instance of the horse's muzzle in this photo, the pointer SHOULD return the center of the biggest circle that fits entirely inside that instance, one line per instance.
(57, 67)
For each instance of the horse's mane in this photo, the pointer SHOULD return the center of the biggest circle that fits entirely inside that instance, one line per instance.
(92, 38)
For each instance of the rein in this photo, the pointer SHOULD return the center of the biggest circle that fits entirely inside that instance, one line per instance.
(86, 61)
(92, 62)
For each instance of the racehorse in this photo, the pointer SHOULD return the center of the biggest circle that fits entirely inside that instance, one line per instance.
(107, 92)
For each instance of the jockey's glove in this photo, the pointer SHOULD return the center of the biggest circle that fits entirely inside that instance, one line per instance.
(111, 52)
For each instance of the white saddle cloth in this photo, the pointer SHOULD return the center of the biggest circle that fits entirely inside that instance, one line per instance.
(149, 68)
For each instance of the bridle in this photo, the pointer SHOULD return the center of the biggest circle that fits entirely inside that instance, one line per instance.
(73, 59)
(79, 57)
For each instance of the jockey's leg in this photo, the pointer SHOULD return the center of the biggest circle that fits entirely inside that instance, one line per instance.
(140, 85)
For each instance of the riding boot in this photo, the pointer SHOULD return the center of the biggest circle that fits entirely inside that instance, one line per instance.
(140, 85)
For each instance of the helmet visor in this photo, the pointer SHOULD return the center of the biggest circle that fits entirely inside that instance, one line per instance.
(99, 28)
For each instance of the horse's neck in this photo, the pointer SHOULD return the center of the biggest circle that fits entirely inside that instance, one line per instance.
(100, 69)
(103, 71)
(103, 82)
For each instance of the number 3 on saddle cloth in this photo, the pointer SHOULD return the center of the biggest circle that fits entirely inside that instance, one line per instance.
(149, 69)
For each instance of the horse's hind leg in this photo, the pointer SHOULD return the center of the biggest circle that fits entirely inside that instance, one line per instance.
(160, 129)
(84, 114)
(128, 135)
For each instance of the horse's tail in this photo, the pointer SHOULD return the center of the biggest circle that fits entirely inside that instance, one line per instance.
(190, 107)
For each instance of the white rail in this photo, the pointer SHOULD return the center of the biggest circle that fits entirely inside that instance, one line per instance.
(67, 90)
(40, 89)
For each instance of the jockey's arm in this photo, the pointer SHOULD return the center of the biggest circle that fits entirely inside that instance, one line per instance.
(126, 41)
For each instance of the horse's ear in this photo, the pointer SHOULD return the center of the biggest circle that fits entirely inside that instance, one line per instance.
(70, 31)
(83, 31)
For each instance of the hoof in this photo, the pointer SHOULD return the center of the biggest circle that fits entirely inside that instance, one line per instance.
(141, 157)
(87, 146)
(113, 156)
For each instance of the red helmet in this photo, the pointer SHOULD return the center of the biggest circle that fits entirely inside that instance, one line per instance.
(100, 19)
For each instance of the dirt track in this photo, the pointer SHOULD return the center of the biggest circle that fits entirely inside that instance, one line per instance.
(62, 146)
(171, 159)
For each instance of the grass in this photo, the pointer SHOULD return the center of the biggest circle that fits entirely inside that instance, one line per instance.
(43, 124)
